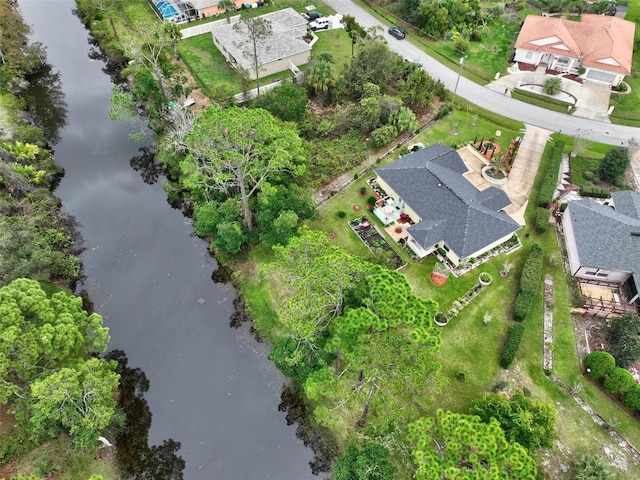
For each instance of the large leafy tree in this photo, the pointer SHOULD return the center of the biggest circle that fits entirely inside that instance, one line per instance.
(44, 372)
(457, 446)
(237, 151)
(614, 164)
(530, 423)
(624, 339)
(79, 400)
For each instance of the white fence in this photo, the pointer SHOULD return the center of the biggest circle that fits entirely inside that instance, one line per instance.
(206, 27)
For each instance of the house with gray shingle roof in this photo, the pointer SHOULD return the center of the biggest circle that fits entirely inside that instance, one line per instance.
(284, 45)
(603, 248)
(448, 212)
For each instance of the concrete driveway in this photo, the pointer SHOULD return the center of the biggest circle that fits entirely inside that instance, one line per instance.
(492, 100)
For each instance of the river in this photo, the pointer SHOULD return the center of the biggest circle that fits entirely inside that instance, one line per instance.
(211, 387)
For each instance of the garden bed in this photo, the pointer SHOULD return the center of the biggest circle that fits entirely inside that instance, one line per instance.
(375, 241)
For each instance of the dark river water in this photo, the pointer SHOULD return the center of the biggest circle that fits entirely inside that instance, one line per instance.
(211, 387)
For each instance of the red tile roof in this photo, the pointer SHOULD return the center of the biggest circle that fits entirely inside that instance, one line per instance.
(603, 41)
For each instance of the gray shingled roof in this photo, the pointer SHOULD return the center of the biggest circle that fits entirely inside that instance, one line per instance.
(603, 235)
(451, 208)
(285, 39)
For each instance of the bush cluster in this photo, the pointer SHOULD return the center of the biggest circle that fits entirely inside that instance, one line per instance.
(511, 345)
(588, 175)
(551, 178)
(601, 366)
(587, 191)
(542, 219)
(529, 281)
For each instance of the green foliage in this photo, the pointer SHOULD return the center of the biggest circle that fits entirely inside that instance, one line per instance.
(529, 282)
(631, 399)
(593, 468)
(287, 102)
(383, 135)
(529, 423)
(552, 86)
(614, 164)
(463, 446)
(599, 364)
(545, 197)
(596, 180)
(42, 363)
(624, 339)
(618, 381)
(511, 345)
(588, 175)
(542, 219)
(368, 463)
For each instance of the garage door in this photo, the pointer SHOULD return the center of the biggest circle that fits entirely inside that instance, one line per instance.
(601, 77)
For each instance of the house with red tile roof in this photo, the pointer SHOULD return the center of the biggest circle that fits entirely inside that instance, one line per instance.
(602, 45)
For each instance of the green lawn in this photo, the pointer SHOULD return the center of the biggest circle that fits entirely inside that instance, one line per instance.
(338, 43)
(207, 65)
(581, 164)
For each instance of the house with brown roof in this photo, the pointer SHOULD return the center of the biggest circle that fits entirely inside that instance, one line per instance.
(602, 45)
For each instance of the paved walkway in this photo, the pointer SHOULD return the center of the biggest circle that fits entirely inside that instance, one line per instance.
(524, 169)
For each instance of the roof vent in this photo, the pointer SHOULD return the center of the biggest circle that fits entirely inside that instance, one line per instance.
(441, 185)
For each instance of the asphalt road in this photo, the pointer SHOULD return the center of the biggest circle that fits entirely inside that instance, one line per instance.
(598, 131)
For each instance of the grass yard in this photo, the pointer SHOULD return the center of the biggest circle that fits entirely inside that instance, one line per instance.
(578, 165)
(338, 43)
(207, 65)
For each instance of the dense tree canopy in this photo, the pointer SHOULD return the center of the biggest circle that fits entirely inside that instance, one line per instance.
(457, 446)
(614, 164)
(238, 152)
(368, 463)
(44, 371)
(531, 424)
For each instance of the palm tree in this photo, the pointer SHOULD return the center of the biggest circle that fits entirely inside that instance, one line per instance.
(552, 86)
(322, 77)
(593, 468)
(175, 35)
(228, 6)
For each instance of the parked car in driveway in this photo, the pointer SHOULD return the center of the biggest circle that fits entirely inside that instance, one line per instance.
(397, 32)
(320, 24)
(313, 15)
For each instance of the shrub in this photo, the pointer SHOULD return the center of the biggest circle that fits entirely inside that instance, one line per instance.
(342, 214)
(588, 175)
(598, 364)
(552, 86)
(614, 164)
(631, 399)
(461, 376)
(363, 191)
(618, 380)
(529, 281)
(511, 345)
(542, 219)
(355, 176)
(618, 183)
(548, 188)
(624, 339)
(383, 135)
(372, 200)
(443, 112)
(586, 191)
(596, 180)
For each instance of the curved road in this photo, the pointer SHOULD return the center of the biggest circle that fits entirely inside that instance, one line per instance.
(488, 99)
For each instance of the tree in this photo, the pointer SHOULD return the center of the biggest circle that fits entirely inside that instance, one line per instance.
(529, 423)
(321, 77)
(368, 463)
(237, 151)
(146, 43)
(432, 19)
(631, 399)
(598, 364)
(228, 6)
(172, 30)
(614, 164)
(42, 334)
(354, 29)
(454, 445)
(79, 400)
(256, 30)
(552, 86)
(624, 339)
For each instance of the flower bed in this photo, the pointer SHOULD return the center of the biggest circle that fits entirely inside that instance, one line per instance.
(375, 241)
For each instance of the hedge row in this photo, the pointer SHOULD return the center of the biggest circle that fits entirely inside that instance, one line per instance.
(601, 366)
(542, 219)
(550, 182)
(511, 345)
(529, 281)
(586, 191)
